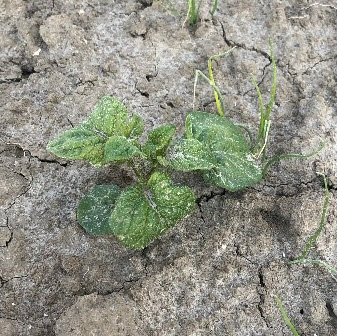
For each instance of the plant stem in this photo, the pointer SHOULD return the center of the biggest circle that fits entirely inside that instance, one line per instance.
(219, 106)
(216, 96)
(192, 12)
(263, 149)
(265, 111)
(215, 88)
(138, 175)
(250, 135)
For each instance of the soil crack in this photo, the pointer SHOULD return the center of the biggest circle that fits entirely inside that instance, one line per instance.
(261, 289)
(142, 92)
(332, 314)
(317, 63)
(124, 286)
(4, 281)
(7, 243)
(232, 43)
(207, 197)
(261, 81)
(26, 151)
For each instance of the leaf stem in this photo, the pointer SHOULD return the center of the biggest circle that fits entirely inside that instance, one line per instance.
(262, 111)
(265, 111)
(216, 96)
(250, 135)
(263, 149)
(193, 11)
(139, 176)
(219, 106)
(216, 89)
(331, 269)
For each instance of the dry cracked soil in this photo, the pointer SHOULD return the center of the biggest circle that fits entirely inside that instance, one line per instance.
(217, 272)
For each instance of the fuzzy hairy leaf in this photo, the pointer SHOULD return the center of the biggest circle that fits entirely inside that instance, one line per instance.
(234, 171)
(88, 141)
(110, 117)
(235, 166)
(94, 209)
(140, 216)
(120, 149)
(217, 129)
(223, 146)
(135, 127)
(158, 141)
(189, 154)
(79, 143)
(172, 202)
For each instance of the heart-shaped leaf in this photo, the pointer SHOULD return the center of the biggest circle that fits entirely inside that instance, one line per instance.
(141, 215)
(218, 130)
(172, 202)
(120, 149)
(234, 171)
(189, 154)
(88, 141)
(216, 146)
(110, 117)
(79, 143)
(94, 209)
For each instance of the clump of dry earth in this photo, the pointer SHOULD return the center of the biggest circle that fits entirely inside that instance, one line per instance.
(217, 271)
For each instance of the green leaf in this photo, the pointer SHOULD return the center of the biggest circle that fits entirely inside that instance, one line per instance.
(140, 216)
(217, 129)
(233, 165)
(172, 202)
(134, 222)
(234, 171)
(189, 154)
(110, 117)
(88, 141)
(136, 127)
(158, 141)
(94, 209)
(79, 143)
(120, 149)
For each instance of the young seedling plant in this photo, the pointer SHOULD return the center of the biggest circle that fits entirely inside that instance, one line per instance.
(193, 9)
(216, 147)
(304, 257)
(140, 213)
